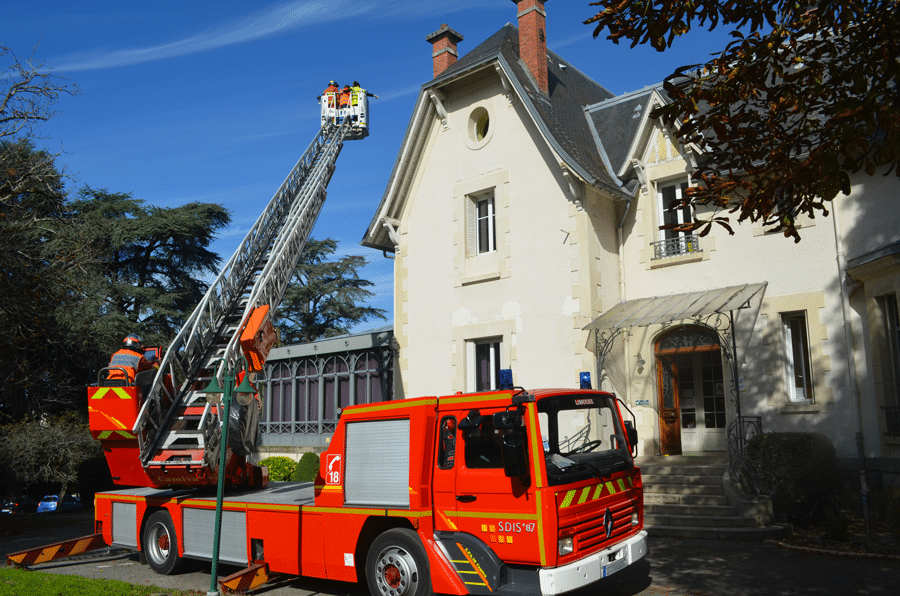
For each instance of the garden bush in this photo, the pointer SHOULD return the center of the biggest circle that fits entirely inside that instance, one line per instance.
(280, 467)
(804, 465)
(307, 468)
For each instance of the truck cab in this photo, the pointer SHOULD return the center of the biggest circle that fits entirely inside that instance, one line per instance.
(509, 491)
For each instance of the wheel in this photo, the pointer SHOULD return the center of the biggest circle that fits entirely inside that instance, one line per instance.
(161, 544)
(397, 565)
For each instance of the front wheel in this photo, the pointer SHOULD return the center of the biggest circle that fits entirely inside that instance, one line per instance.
(161, 544)
(397, 565)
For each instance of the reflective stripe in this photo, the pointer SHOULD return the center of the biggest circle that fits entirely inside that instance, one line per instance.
(102, 391)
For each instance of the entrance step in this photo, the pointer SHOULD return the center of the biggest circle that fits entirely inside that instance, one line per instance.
(684, 496)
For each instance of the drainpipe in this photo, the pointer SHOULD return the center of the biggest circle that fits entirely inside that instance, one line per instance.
(621, 234)
(851, 366)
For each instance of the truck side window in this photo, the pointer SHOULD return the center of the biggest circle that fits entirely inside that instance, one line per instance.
(447, 443)
(483, 446)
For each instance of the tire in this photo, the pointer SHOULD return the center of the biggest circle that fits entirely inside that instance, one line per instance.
(160, 544)
(397, 565)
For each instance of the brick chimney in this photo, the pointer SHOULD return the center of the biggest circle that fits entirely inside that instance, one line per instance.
(533, 41)
(443, 43)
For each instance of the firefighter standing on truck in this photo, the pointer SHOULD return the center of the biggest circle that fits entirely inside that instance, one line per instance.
(131, 358)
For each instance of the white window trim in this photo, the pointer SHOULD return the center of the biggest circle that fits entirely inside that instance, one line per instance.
(472, 365)
(790, 365)
(661, 208)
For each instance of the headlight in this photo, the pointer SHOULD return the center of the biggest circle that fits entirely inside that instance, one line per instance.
(634, 519)
(566, 545)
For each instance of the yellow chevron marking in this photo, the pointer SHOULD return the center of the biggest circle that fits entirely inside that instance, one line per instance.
(119, 391)
(597, 492)
(611, 488)
(568, 500)
(621, 484)
(584, 495)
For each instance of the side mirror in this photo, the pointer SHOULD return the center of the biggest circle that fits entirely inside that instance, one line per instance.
(632, 434)
(515, 458)
(472, 421)
(507, 420)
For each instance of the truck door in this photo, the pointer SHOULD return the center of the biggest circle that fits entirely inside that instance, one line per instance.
(474, 495)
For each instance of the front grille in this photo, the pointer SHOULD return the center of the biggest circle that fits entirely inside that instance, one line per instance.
(590, 532)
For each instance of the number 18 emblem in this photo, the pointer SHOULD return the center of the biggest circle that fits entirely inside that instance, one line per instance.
(333, 469)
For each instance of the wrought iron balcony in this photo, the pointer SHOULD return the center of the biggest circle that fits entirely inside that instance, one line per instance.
(673, 247)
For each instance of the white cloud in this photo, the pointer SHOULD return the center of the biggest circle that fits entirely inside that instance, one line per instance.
(256, 26)
(262, 24)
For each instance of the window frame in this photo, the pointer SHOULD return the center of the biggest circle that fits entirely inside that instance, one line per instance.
(679, 185)
(795, 344)
(890, 317)
(494, 346)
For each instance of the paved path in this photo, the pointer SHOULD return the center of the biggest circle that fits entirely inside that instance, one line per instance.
(674, 568)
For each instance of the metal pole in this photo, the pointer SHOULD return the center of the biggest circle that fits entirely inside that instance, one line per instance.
(223, 447)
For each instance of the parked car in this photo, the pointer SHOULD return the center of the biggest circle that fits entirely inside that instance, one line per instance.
(19, 505)
(51, 503)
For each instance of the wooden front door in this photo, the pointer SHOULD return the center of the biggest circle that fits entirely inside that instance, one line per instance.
(669, 405)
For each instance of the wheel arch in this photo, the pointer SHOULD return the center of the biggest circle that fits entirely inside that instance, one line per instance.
(372, 528)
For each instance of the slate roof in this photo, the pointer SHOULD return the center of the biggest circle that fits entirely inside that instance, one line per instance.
(561, 113)
(589, 128)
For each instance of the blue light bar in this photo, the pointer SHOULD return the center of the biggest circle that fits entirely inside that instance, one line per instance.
(505, 380)
(585, 380)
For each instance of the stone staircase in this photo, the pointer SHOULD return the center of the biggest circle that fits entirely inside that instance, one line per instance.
(689, 496)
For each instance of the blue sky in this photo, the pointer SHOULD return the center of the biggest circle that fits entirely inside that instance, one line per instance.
(215, 101)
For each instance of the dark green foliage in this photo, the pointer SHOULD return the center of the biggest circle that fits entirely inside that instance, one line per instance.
(280, 468)
(93, 477)
(837, 528)
(804, 466)
(323, 298)
(802, 97)
(152, 261)
(307, 468)
(893, 510)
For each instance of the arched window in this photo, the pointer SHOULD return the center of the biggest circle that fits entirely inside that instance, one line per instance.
(280, 414)
(307, 378)
(367, 374)
(336, 376)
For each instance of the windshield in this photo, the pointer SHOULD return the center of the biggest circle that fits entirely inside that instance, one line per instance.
(582, 438)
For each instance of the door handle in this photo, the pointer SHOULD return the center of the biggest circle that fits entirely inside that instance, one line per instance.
(466, 498)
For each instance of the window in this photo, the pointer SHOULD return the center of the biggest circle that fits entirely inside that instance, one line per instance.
(483, 364)
(796, 351)
(674, 242)
(888, 306)
(485, 226)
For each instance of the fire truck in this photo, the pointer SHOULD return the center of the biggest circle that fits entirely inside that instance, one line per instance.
(513, 491)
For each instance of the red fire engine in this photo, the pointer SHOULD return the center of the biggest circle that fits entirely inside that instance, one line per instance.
(511, 492)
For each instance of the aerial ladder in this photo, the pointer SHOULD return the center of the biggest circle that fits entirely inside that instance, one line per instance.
(171, 435)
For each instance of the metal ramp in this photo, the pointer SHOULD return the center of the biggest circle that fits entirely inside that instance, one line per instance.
(177, 431)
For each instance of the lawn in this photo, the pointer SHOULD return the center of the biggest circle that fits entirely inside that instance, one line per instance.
(16, 582)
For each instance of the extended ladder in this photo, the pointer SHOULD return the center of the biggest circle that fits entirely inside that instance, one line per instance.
(177, 431)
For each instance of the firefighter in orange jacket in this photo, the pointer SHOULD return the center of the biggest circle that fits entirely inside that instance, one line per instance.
(345, 97)
(131, 358)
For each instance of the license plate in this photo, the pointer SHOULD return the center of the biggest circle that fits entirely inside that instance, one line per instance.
(617, 565)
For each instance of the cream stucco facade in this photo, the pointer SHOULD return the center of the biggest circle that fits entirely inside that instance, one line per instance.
(569, 233)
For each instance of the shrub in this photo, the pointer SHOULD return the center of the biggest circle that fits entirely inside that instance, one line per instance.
(307, 468)
(804, 466)
(893, 510)
(280, 467)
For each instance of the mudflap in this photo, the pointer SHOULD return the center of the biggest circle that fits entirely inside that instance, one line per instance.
(51, 552)
(246, 579)
(481, 570)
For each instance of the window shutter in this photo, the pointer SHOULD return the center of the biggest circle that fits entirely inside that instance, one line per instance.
(471, 227)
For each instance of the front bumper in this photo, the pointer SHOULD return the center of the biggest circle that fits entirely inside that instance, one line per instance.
(558, 580)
